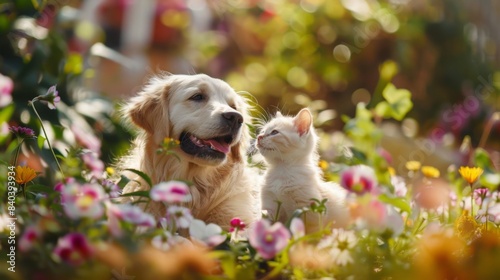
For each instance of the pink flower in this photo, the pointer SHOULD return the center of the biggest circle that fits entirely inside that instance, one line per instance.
(6, 87)
(479, 195)
(127, 213)
(179, 216)
(81, 201)
(370, 214)
(268, 239)
(236, 225)
(93, 163)
(59, 187)
(73, 249)
(51, 98)
(171, 192)
(29, 237)
(359, 179)
(86, 139)
(210, 235)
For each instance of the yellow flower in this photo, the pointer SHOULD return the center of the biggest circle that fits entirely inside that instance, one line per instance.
(323, 165)
(413, 165)
(24, 174)
(466, 227)
(470, 174)
(110, 170)
(391, 170)
(430, 172)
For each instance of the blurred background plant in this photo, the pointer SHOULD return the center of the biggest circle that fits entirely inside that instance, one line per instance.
(408, 89)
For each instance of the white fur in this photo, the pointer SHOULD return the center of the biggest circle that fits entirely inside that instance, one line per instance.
(288, 145)
(222, 188)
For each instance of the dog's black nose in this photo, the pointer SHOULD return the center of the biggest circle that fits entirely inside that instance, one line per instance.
(233, 118)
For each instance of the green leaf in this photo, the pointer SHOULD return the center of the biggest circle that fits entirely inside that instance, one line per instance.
(137, 193)
(123, 181)
(40, 189)
(40, 140)
(398, 202)
(6, 113)
(143, 175)
(399, 101)
(383, 109)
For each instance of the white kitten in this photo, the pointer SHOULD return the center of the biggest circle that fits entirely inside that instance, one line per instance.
(289, 147)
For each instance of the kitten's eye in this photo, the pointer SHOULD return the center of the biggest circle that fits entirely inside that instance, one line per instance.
(197, 97)
(274, 132)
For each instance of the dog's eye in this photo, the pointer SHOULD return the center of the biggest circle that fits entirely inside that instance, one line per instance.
(274, 132)
(197, 97)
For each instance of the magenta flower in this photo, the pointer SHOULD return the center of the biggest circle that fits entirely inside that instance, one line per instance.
(73, 249)
(86, 139)
(210, 235)
(236, 225)
(22, 132)
(29, 237)
(59, 187)
(81, 201)
(6, 87)
(180, 216)
(268, 239)
(359, 179)
(93, 163)
(51, 98)
(171, 192)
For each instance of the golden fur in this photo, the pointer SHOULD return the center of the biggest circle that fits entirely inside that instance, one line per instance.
(222, 188)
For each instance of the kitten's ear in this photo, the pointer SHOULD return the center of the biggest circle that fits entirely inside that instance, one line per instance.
(303, 121)
(278, 114)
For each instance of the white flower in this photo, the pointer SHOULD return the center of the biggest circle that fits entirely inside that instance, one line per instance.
(211, 234)
(297, 228)
(179, 215)
(339, 244)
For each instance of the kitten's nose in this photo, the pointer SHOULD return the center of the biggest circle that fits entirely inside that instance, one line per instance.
(259, 138)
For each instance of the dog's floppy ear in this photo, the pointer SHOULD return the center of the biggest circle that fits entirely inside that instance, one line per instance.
(150, 106)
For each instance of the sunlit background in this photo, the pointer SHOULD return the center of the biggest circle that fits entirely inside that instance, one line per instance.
(288, 54)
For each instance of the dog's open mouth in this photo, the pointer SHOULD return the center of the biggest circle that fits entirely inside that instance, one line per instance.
(216, 147)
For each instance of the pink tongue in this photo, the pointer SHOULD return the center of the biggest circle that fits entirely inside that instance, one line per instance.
(223, 148)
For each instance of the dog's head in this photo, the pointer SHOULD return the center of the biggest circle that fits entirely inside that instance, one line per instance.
(205, 114)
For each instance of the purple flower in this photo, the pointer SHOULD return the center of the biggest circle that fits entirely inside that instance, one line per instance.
(51, 98)
(81, 201)
(180, 216)
(210, 235)
(268, 239)
(359, 179)
(171, 192)
(29, 237)
(93, 163)
(73, 249)
(6, 87)
(111, 188)
(22, 132)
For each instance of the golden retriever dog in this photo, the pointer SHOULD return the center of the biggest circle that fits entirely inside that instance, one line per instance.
(209, 119)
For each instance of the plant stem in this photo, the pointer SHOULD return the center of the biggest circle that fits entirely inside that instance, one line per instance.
(17, 152)
(46, 137)
(471, 201)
